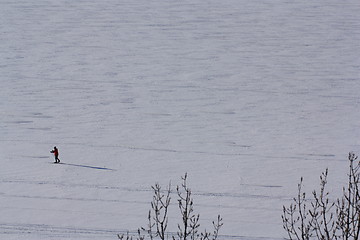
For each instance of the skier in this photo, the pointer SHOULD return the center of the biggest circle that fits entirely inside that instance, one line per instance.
(55, 151)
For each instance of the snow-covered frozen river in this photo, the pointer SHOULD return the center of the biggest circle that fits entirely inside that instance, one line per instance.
(244, 96)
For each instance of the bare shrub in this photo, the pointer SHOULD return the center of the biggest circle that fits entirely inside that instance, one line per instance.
(348, 206)
(326, 219)
(188, 228)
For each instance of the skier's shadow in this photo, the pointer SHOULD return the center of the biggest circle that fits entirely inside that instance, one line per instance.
(87, 166)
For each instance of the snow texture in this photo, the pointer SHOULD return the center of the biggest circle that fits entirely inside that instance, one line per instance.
(244, 96)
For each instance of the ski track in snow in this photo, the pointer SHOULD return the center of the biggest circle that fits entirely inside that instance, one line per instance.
(244, 96)
(124, 189)
(54, 232)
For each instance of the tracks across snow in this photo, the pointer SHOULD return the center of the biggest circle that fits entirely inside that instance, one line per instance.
(67, 232)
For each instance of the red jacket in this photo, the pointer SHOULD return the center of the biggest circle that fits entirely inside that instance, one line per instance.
(55, 151)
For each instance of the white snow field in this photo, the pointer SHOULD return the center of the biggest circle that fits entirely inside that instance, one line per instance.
(244, 96)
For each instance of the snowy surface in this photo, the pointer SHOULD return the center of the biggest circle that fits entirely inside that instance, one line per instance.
(244, 96)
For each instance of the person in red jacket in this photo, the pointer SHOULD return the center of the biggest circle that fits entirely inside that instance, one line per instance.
(55, 151)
